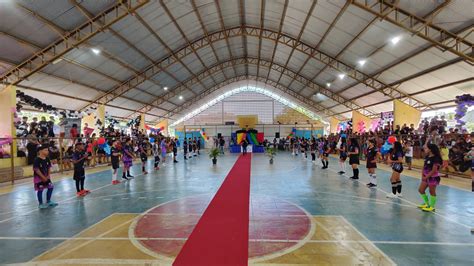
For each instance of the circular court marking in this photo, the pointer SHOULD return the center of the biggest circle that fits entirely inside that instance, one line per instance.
(276, 227)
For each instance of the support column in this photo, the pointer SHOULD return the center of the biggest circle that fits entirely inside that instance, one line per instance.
(7, 129)
(100, 114)
(142, 123)
(7, 108)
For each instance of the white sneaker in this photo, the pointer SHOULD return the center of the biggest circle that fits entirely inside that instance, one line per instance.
(391, 196)
(400, 195)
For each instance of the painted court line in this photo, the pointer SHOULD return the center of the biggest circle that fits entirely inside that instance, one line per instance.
(250, 240)
(414, 205)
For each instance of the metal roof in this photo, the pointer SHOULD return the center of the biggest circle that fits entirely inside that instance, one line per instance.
(197, 48)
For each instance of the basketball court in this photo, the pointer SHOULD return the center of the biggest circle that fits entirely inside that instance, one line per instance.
(298, 214)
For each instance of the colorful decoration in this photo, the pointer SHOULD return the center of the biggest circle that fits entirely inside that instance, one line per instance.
(107, 149)
(252, 138)
(385, 148)
(6, 140)
(204, 135)
(241, 137)
(361, 126)
(260, 137)
(391, 139)
(462, 104)
(293, 133)
(153, 129)
(101, 141)
(375, 124)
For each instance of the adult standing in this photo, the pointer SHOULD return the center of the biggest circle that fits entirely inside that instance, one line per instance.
(244, 146)
(221, 145)
(31, 148)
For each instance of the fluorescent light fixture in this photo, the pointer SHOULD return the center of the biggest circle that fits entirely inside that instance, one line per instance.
(328, 84)
(180, 97)
(395, 40)
(57, 61)
(95, 51)
(341, 76)
(165, 88)
(362, 62)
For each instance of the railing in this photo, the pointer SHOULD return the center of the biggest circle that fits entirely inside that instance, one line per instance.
(15, 157)
(12, 167)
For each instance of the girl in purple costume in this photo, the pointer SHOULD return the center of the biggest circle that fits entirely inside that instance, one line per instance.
(430, 177)
(127, 158)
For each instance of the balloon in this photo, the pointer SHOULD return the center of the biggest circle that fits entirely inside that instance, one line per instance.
(56, 129)
(392, 139)
(101, 141)
(152, 140)
(385, 148)
(107, 149)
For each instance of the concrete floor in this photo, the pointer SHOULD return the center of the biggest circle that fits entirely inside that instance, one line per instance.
(300, 215)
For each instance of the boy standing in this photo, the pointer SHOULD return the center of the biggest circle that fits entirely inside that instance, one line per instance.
(144, 155)
(114, 157)
(156, 154)
(185, 148)
(408, 154)
(42, 177)
(78, 159)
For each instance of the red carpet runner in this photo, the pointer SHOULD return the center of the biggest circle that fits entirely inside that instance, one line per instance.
(221, 235)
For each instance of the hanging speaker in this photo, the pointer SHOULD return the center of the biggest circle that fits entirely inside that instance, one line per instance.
(219, 135)
(277, 135)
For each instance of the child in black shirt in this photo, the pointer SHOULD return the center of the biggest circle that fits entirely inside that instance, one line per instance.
(115, 159)
(78, 159)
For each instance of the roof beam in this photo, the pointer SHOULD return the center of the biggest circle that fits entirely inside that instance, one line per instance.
(171, 52)
(417, 93)
(341, 12)
(270, 82)
(77, 98)
(403, 59)
(280, 28)
(69, 41)
(175, 23)
(60, 32)
(221, 23)
(298, 38)
(244, 37)
(80, 84)
(262, 21)
(272, 66)
(280, 38)
(408, 78)
(206, 33)
(89, 16)
(418, 26)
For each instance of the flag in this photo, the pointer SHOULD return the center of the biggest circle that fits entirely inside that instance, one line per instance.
(204, 135)
(293, 133)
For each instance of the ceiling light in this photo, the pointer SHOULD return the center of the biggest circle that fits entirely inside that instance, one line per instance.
(362, 62)
(57, 61)
(165, 88)
(395, 40)
(180, 97)
(341, 76)
(95, 51)
(328, 84)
